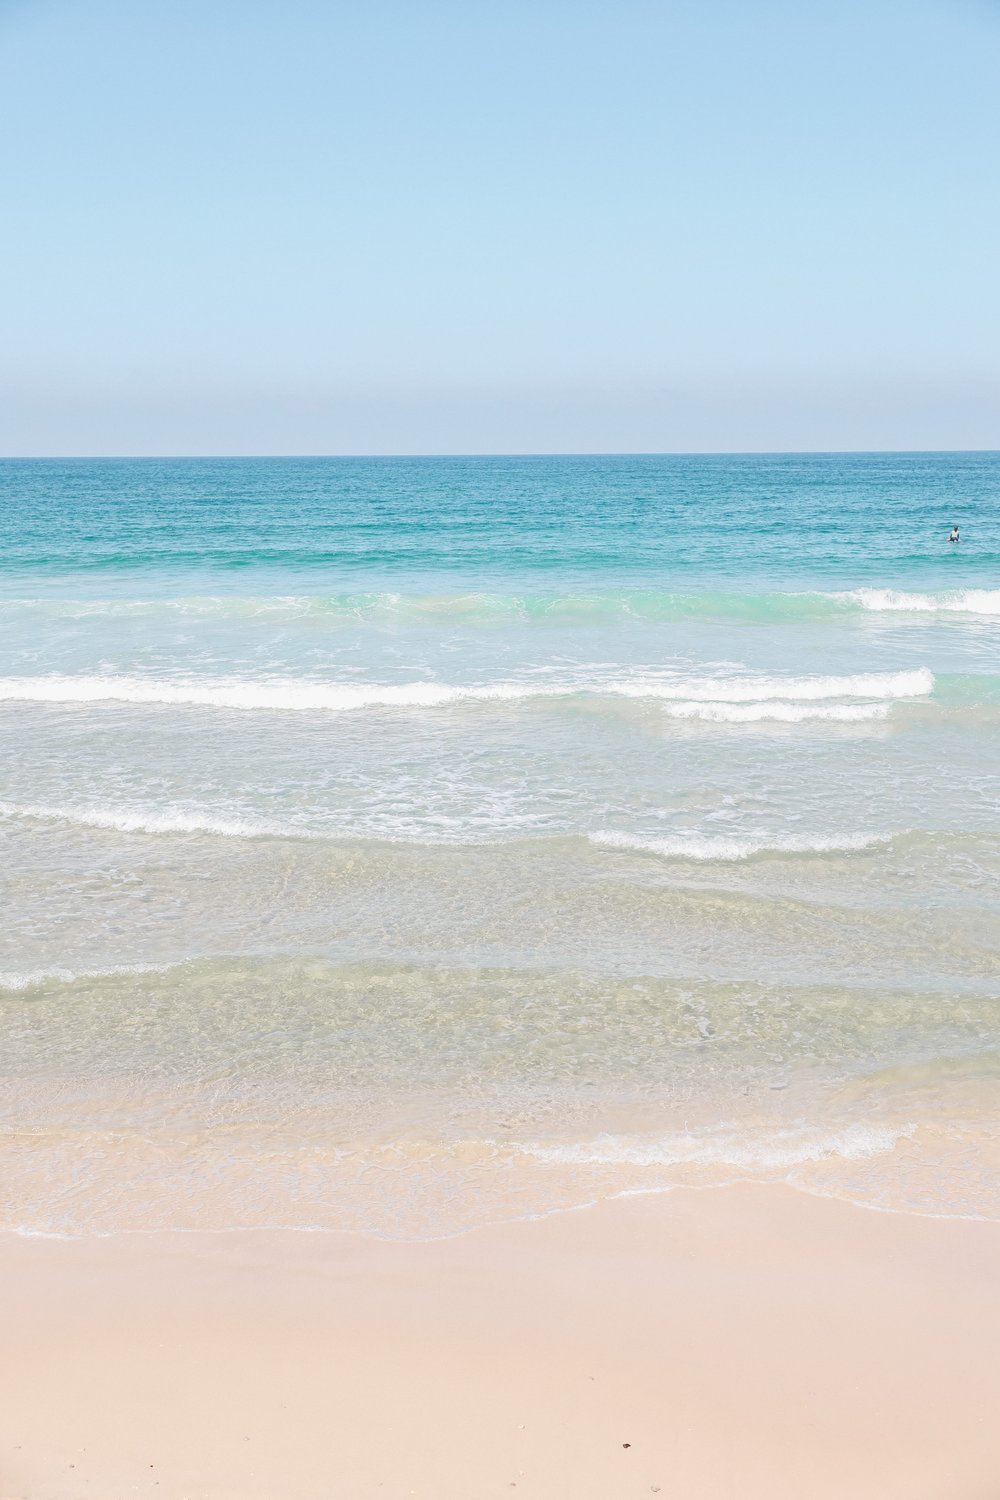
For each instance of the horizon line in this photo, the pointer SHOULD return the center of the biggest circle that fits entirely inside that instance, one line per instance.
(483, 454)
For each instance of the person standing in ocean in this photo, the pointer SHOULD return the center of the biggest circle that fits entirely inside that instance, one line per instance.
(954, 537)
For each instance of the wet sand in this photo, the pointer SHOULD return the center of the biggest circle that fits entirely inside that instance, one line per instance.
(739, 1342)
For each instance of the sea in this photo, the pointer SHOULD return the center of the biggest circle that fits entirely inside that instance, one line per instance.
(402, 845)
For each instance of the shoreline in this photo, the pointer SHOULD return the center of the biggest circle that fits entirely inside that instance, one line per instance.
(750, 1340)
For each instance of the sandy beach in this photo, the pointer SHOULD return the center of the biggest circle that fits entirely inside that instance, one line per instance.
(748, 1341)
(500, 751)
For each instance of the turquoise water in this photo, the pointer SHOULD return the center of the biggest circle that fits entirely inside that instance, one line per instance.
(399, 844)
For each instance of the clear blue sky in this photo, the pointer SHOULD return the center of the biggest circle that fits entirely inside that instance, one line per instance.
(523, 225)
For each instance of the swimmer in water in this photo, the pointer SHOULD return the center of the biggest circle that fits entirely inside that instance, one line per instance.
(954, 535)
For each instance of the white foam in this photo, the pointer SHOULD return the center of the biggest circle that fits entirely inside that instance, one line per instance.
(729, 849)
(959, 601)
(777, 713)
(912, 684)
(29, 979)
(977, 601)
(284, 694)
(122, 820)
(761, 697)
(774, 1150)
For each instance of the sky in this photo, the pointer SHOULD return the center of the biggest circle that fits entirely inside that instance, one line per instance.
(460, 226)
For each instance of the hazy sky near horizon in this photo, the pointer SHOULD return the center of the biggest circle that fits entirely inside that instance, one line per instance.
(541, 225)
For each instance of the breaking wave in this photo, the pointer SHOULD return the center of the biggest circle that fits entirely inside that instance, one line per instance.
(957, 601)
(736, 698)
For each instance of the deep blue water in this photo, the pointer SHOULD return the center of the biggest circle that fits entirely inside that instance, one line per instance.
(745, 523)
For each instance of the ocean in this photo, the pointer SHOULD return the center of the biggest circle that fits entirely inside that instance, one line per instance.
(404, 845)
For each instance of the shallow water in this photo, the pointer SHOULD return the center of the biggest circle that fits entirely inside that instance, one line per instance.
(407, 844)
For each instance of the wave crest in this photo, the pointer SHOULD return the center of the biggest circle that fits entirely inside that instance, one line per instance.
(957, 601)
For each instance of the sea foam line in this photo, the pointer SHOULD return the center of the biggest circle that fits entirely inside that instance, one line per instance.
(29, 979)
(686, 693)
(120, 820)
(777, 713)
(754, 690)
(728, 1148)
(680, 846)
